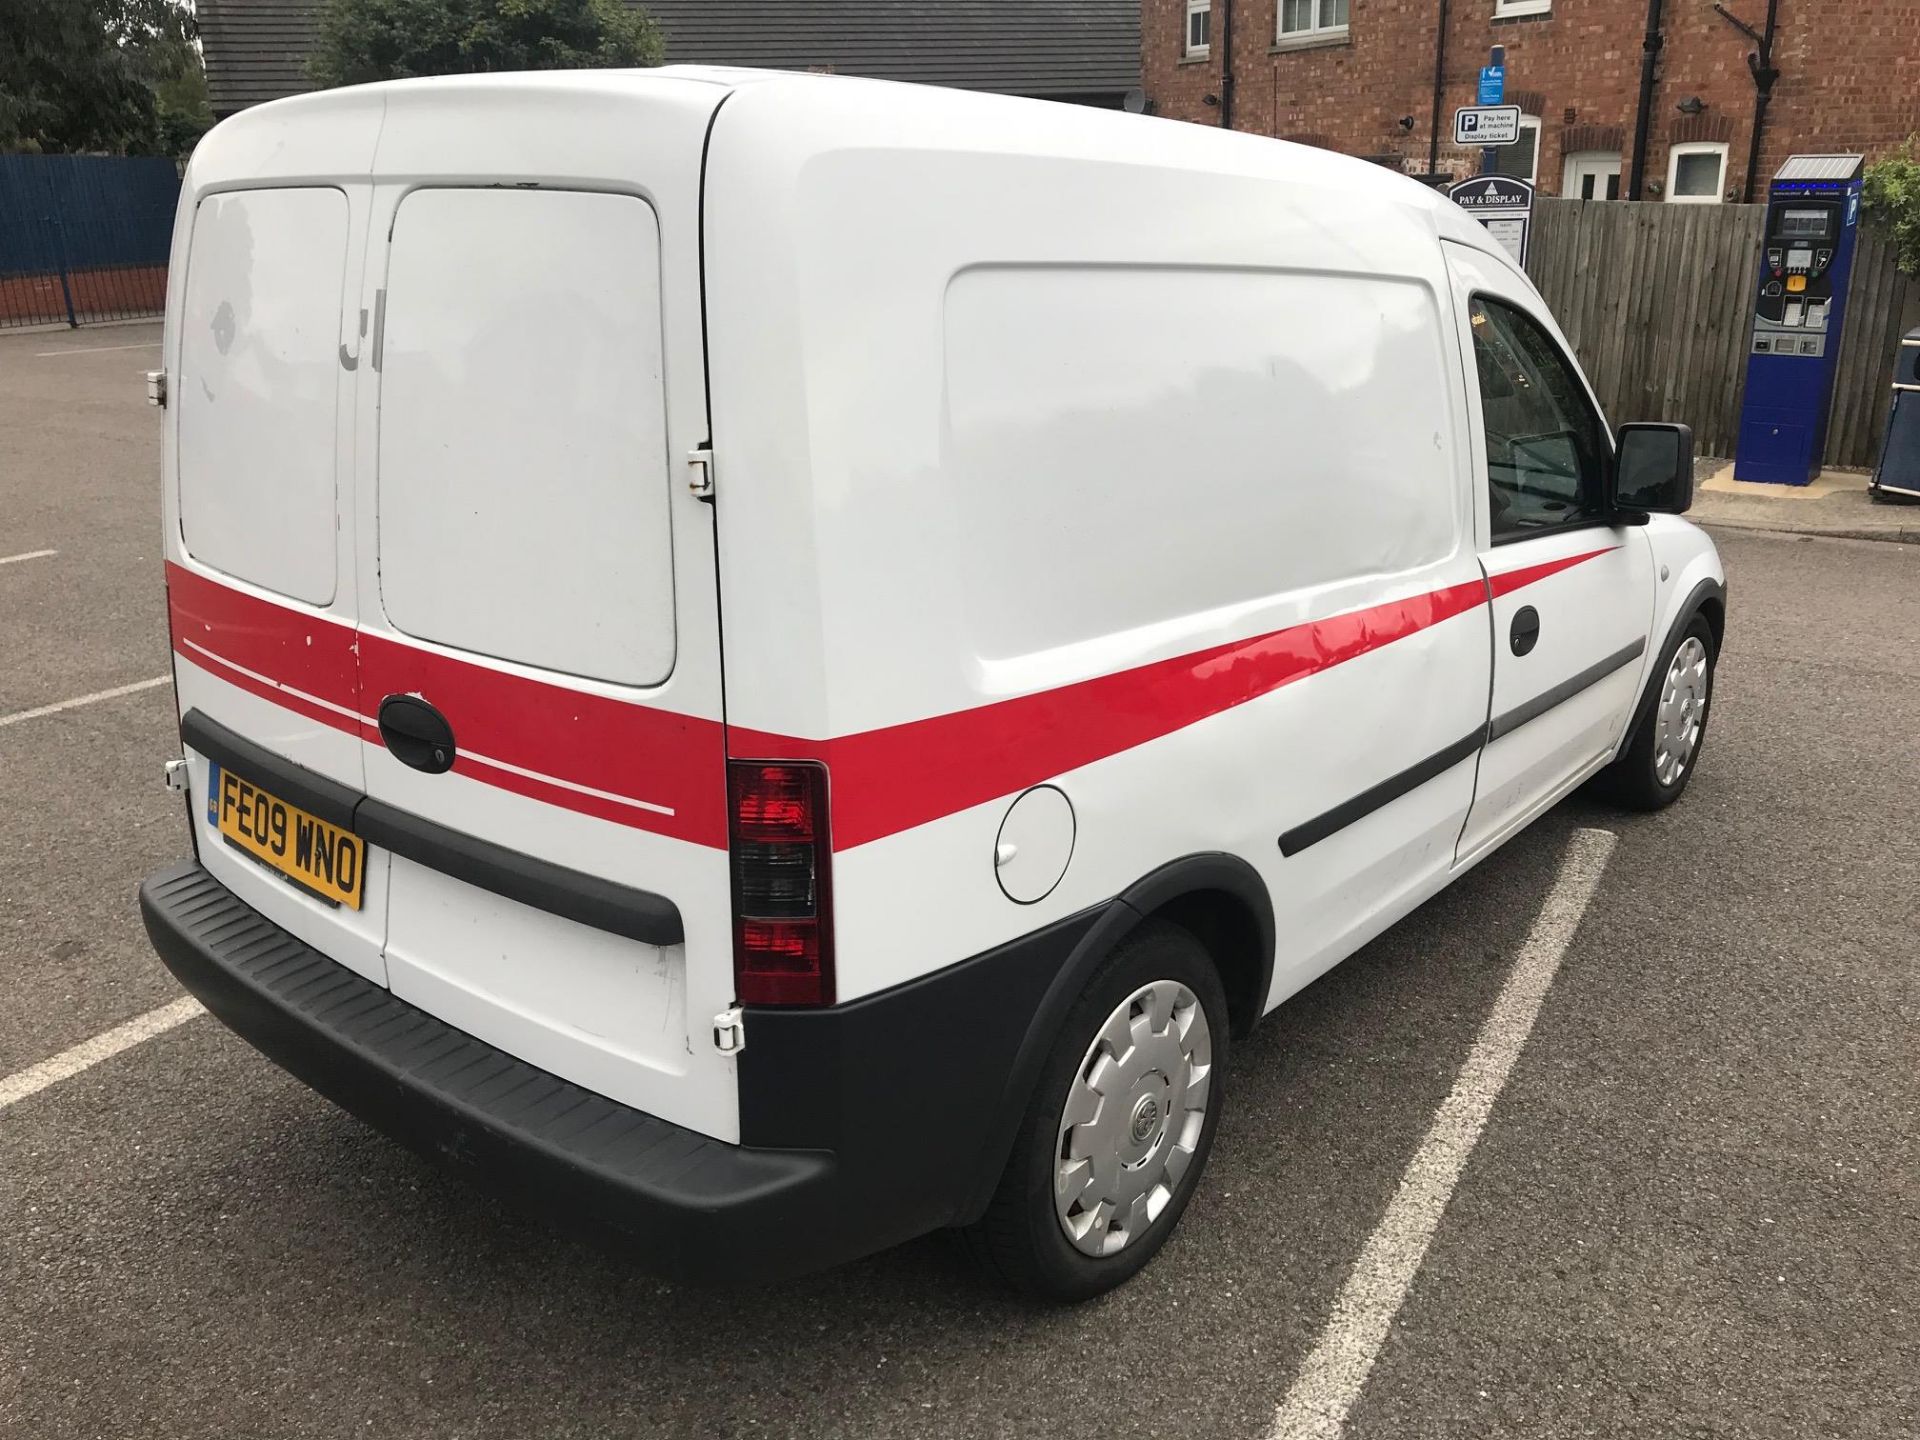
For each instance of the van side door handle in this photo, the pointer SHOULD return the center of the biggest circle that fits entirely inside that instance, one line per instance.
(1526, 630)
(417, 734)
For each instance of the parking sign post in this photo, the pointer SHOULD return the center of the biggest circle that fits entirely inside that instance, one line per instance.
(1493, 91)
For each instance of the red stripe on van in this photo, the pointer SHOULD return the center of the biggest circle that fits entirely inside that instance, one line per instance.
(635, 752)
(631, 752)
(892, 779)
(888, 780)
(288, 646)
(1511, 580)
(279, 695)
(883, 781)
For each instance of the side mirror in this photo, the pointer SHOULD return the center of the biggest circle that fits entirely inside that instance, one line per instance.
(1653, 470)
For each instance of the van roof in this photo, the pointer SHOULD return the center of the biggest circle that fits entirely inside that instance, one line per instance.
(233, 151)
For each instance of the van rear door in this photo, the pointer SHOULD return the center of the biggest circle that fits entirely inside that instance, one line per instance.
(540, 636)
(261, 568)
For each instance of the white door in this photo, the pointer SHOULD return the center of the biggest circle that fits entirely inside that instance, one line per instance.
(540, 634)
(260, 584)
(1591, 175)
(1572, 594)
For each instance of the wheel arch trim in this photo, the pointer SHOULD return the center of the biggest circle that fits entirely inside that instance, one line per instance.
(1190, 875)
(1709, 597)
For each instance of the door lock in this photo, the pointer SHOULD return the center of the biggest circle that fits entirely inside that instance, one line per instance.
(417, 734)
(1526, 630)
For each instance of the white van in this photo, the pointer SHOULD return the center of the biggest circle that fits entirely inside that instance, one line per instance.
(781, 662)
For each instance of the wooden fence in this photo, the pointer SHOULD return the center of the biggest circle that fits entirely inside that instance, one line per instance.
(1656, 300)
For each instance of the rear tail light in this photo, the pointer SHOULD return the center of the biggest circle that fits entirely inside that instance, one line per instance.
(782, 892)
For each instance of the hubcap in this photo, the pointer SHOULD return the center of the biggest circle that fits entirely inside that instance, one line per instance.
(1683, 707)
(1133, 1118)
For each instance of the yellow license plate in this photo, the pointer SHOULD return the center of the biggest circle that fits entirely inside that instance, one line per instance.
(321, 859)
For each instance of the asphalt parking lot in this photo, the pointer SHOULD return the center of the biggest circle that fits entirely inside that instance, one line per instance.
(1694, 1209)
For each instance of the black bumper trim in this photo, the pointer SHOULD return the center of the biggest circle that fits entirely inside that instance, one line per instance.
(693, 1208)
(571, 894)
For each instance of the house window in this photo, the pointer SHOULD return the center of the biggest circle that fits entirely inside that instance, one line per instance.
(1697, 173)
(1199, 38)
(1522, 158)
(1591, 175)
(1504, 8)
(1303, 19)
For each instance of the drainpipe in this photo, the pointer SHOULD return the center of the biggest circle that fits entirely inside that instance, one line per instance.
(1439, 87)
(1643, 116)
(1760, 62)
(1226, 64)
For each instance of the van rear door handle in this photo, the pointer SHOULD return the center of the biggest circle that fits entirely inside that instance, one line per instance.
(1526, 630)
(417, 734)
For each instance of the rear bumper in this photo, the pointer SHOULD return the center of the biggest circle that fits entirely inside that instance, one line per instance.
(693, 1208)
(866, 1124)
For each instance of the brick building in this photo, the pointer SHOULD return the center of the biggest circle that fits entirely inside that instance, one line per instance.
(1359, 76)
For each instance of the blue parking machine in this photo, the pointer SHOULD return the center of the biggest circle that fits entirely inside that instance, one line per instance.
(1800, 299)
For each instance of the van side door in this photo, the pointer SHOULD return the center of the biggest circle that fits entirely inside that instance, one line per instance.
(1572, 592)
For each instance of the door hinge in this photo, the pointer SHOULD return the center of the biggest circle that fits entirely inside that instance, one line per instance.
(730, 1031)
(700, 480)
(157, 388)
(175, 776)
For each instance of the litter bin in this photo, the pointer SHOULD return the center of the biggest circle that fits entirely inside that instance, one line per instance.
(1898, 475)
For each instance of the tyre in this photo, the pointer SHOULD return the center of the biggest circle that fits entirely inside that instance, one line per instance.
(1659, 759)
(1119, 1127)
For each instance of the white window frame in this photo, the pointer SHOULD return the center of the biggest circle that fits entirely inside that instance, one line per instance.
(1503, 8)
(1589, 161)
(1188, 49)
(1696, 147)
(1530, 122)
(1315, 31)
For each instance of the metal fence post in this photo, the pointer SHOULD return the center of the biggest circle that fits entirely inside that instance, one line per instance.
(66, 287)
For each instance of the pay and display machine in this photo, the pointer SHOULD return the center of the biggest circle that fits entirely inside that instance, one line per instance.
(1813, 215)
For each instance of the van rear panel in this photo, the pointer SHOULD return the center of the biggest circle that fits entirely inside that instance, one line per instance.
(435, 399)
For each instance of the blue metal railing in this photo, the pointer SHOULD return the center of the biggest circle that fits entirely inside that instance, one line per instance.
(84, 237)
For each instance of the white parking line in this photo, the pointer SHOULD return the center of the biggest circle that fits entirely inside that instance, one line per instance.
(1317, 1405)
(27, 555)
(104, 1046)
(54, 709)
(96, 350)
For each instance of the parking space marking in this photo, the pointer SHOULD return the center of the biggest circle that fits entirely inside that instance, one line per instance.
(27, 555)
(103, 1046)
(96, 350)
(1322, 1395)
(54, 709)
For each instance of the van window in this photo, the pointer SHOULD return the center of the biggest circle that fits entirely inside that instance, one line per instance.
(1130, 445)
(523, 467)
(258, 387)
(1546, 449)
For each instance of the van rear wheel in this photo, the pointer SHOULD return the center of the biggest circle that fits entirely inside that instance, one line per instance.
(1119, 1127)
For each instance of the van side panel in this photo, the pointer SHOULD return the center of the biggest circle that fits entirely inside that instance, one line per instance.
(1033, 471)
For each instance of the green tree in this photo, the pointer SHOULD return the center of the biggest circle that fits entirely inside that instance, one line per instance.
(119, 76)
(1891, 196)
(158, 36)
(363, 40)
